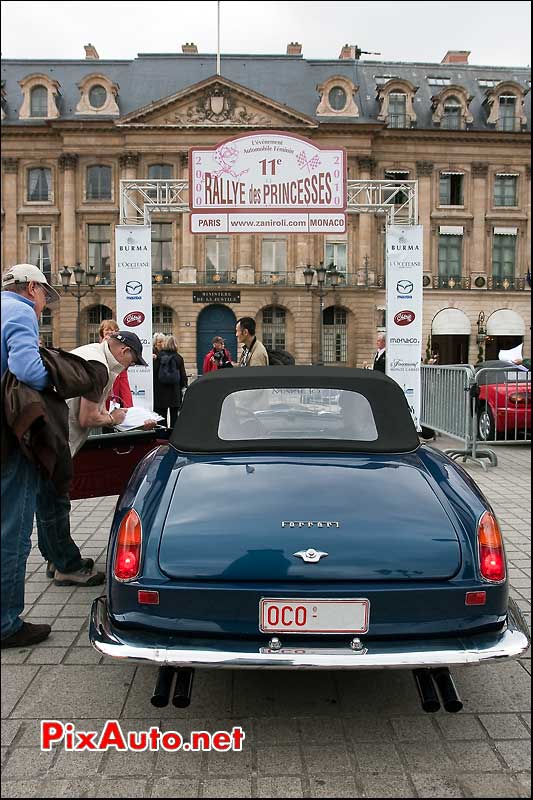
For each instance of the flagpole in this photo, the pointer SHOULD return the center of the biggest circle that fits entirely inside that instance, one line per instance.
(218, 37)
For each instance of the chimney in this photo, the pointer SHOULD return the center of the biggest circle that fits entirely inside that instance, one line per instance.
(347, 52)
(294, 49)
(456, 57)
(189, 48)
(91, 51)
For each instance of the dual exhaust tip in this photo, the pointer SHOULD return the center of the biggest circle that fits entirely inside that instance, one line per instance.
(428, 681)
(165, 687)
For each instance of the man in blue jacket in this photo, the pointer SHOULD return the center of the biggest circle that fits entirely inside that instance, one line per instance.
(25, 293)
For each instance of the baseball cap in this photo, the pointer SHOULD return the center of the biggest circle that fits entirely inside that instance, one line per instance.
(24, 273)
(131, 340)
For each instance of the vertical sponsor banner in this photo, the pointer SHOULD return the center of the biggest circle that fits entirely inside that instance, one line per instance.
(404, 310)
(133, 257)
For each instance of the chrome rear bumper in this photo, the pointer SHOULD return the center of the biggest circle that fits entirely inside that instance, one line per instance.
(145, 646)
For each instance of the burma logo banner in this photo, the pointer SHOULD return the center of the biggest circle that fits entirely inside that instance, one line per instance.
(404, 248)
(133, 249)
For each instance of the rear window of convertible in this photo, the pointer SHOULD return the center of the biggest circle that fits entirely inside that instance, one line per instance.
(296, 413)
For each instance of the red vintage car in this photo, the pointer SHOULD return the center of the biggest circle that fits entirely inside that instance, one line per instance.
(504, 401)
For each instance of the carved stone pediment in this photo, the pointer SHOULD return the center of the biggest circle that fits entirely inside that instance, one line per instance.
(217, 102)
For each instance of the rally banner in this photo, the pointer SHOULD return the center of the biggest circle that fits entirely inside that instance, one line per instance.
(133, 256)
(404, 254)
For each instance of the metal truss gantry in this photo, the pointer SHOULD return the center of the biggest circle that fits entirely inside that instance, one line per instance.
(397, 200)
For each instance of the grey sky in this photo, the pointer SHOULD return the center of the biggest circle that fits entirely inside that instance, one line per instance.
(496, 33)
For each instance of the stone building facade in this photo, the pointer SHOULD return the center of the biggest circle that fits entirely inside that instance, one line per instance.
(73, 129)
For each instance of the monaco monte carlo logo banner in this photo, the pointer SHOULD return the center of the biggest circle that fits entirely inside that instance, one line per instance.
(267, 181)
(133, 254)
(404, 311)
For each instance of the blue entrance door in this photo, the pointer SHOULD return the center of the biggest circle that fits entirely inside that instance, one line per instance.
(213, 321)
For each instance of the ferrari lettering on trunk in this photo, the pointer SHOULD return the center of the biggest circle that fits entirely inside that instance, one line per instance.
(292, 523)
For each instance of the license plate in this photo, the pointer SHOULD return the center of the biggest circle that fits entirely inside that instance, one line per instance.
(277, 615)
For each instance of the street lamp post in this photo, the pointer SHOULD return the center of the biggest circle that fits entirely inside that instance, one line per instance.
(321, 274)
(481, 336)
(79, 275)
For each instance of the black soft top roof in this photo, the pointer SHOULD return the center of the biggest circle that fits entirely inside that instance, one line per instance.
(196, 430)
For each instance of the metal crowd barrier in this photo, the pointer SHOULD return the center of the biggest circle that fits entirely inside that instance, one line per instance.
(485, 406)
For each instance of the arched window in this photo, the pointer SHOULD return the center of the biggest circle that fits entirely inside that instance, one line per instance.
(39, 101)
(274, 327)
(162, 319)
(95, 316)
(45, 328)
(452, 117)
(98, 182)
(335, 339)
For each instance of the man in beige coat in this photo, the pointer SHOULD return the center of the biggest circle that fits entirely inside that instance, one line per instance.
(253, 352)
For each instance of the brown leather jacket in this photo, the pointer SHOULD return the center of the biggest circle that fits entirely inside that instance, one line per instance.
(37, 422)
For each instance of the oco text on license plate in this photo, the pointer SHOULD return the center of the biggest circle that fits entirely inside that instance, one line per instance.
(313, 616)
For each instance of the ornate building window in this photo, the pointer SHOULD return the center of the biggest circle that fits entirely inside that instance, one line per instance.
(273, 334)
(162, 319)
(273, 260)
(505, 103)
(40, 248)
(46, 328)
(99, 251)
(98, 96)
(217, 255)
(162, 252)
(505, 189)
(337, 97)
(335, 337)
(503, 255)
(450, 257)
(39, 187)
(395, 100)
(99, 182)
(40, 95)
(400, 197)
(336, 253)
(451, 108)
(451, 186)
(157, 172)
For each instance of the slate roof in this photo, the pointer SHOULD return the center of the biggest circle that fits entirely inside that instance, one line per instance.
(290, 80)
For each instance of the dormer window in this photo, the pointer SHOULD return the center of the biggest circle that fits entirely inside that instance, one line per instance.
(39, 101)
(40, 94)
(450, 108)
(506, 106)
(396, 103)
(337, 97)
(507, 119)
(452, 118)
(98, 96)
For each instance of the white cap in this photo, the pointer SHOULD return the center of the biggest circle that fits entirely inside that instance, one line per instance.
(24, 273)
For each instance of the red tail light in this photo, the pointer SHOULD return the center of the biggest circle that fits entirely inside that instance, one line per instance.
(491, 555)
(128, 552)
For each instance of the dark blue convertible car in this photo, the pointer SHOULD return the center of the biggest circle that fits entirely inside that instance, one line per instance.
(293, 520)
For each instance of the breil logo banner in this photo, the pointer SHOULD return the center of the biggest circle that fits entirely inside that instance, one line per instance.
(134, 282)
(404, 310)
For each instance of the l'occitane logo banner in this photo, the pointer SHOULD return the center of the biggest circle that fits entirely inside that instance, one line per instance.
(404, 310)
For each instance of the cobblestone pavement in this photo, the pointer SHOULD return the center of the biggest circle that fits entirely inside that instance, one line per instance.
(320, 734)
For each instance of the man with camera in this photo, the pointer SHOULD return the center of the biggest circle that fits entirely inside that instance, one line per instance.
(218, 357)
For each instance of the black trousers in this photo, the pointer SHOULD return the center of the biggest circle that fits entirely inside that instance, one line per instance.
(173, 414)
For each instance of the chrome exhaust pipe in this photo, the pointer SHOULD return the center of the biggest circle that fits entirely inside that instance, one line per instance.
(448, 693)
(426, 690)
(163, 686)
(182, 692)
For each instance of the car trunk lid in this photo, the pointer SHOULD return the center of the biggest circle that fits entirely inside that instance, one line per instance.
(376, 518)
